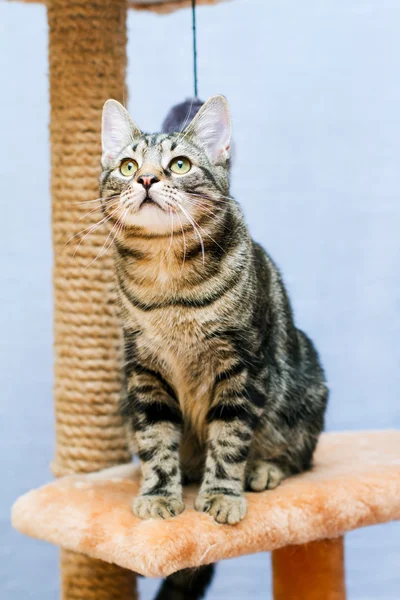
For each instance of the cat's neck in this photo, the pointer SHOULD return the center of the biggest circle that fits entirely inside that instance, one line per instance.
(186, 258)
(179, 259)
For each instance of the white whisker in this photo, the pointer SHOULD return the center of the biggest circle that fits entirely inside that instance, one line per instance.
(206, 197)
(193, 223)
(97, 200)
(184, 242)
(118, 225)
(93, 228)
(171, 214)
(86, 228)
(93, 210)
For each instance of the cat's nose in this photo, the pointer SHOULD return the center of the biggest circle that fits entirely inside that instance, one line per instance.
(147, 180)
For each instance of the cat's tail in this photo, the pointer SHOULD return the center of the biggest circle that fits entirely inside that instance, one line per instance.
(188, 584)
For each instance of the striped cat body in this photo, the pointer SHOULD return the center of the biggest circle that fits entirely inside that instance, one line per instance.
(221, 387)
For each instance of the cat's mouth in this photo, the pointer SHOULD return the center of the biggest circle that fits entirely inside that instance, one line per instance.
(149, 201)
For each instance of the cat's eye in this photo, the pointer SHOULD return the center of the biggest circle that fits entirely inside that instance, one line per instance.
(180, 165)
(128, 167)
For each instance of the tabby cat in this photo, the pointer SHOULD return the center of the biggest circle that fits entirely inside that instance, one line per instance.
(221, 387)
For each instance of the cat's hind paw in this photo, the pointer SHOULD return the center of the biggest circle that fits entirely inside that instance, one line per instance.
(264, 475)
(157, 507)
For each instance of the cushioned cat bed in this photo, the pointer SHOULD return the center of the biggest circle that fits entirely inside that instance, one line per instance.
(355, 482)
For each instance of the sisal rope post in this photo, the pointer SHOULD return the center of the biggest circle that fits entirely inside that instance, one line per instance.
(313, 571)
(87, 59)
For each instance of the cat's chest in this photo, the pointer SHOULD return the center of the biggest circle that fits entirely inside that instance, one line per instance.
(176, 330)
(179, 343)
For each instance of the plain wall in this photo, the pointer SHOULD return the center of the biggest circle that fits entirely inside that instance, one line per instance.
(315, 94)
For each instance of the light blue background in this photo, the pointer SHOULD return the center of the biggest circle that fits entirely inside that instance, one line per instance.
(315, 94)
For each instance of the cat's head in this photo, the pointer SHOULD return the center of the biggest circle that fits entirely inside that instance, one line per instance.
(148, 179)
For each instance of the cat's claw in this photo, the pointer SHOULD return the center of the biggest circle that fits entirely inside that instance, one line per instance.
(224, 508)
(157, 507)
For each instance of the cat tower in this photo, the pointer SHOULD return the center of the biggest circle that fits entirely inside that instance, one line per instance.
(87, 510)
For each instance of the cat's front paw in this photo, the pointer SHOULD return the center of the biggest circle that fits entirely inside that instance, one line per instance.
(158, 507)
(224, 508)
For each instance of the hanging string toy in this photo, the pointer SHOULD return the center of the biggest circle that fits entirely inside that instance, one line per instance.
(181, 114)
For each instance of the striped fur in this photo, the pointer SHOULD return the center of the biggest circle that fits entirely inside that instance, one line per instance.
(221, 387)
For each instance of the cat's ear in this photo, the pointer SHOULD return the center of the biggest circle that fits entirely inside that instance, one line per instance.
(212, 128)
(118, 129)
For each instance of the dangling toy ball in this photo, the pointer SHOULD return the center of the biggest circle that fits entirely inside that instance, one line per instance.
(181, 115)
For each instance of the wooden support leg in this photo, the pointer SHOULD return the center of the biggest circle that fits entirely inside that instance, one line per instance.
(313, 571)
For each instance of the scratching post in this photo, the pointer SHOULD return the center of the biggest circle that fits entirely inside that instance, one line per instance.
(314, 571)
(87, 58)
(85, 578)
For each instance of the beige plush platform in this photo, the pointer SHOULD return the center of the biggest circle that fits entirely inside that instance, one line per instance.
(355, 482)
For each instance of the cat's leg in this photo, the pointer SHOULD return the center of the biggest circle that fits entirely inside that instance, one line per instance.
(280, 452)
(156, 421)
(232, 420)
(267, 473)
(267, 466)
